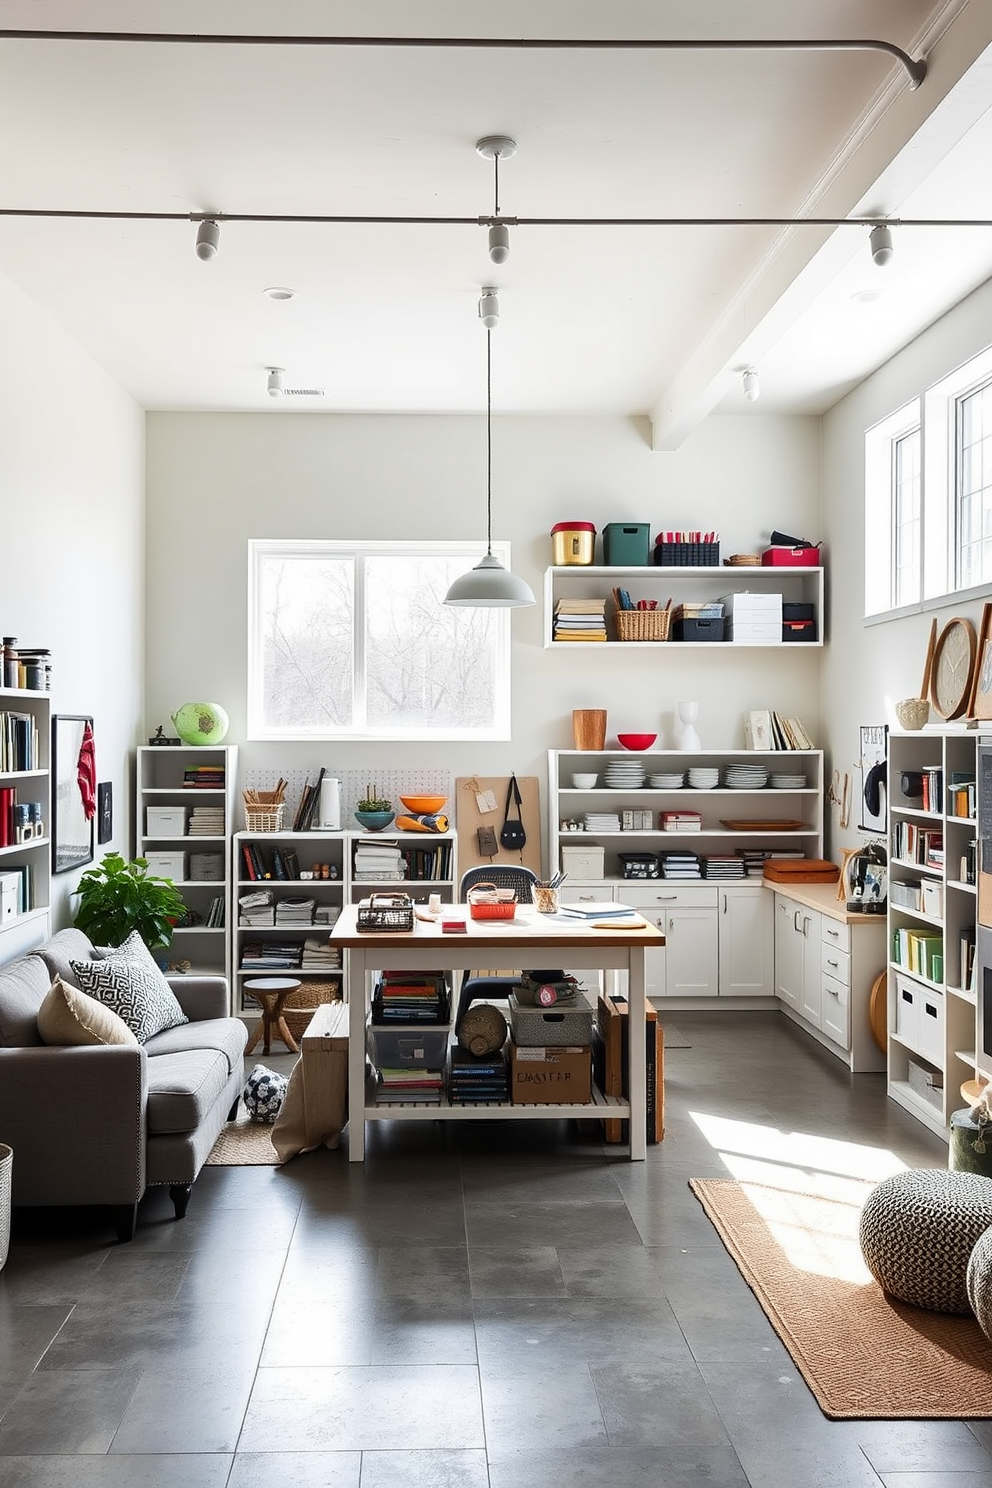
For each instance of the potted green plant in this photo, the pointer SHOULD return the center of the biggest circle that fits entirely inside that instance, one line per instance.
(117, 897)
(374, 811)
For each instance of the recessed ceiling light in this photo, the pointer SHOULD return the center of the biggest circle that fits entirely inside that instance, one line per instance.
(866, 296)
(279, 292)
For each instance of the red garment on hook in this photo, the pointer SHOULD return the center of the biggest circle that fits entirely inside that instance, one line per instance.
(86, 773)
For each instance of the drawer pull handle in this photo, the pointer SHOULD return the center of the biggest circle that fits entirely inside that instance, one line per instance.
(831, 963)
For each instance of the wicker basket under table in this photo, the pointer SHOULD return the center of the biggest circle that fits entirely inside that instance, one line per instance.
(642, 625)
(306, 999)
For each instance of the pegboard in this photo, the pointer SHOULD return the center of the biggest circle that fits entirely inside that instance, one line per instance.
(389, 783)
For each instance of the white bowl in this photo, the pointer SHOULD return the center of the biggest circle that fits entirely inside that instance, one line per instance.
(584, 782)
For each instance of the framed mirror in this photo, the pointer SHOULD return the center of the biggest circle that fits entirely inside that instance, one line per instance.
(72, 828)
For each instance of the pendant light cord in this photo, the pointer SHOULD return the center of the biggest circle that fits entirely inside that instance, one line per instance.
(489, 442)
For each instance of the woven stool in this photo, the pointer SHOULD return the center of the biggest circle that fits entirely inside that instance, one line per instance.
(980, 1282)
(917, 1232)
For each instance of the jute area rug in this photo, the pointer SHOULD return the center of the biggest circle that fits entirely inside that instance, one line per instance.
(243, 1144)
(863, 1355)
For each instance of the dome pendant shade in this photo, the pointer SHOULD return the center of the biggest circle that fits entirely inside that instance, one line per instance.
(489, 586)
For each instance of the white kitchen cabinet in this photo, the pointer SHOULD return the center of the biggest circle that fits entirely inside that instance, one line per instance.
(745, 937)
(797, 957)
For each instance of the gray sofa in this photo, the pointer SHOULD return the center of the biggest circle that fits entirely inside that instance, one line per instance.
(99, 1125)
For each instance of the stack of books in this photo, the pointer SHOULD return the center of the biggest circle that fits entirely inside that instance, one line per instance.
(580, 620)
(294, 912)
(379, 863)
(206, 821)
(203, 777)
(409, 1086)
(411, 997)
(478, 1081)
(319, 955)
(684, 865)
(262, 956)
(681, 821)
(215, 914)
(723, 866)
(256, 908)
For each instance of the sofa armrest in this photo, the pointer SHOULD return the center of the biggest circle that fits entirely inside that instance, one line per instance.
(75, 1118)
(201, 997)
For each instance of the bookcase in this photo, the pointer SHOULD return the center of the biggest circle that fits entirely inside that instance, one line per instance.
(184, 819)
(25, 776)
(932, 912)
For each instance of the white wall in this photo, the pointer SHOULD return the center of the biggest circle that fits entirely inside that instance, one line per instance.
(215, 480)
(866, 663)
(72, 483)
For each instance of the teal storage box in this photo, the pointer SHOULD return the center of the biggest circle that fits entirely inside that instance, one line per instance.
(627, 544)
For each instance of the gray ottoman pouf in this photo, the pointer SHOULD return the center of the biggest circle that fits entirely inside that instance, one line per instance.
(980, 1282)
(918, 1230)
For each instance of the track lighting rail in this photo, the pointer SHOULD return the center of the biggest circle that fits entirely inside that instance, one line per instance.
(915, 69)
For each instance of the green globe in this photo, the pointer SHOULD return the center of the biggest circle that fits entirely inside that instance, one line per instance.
(201, 723)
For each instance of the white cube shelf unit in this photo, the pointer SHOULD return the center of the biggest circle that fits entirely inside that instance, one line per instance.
(681, 585)
(25, 895)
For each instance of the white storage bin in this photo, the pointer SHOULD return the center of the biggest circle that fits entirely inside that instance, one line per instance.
(760, 609)
(167, 865)
(933, 898)
(165, 821)
(754, 633)
(584, 862)
(931, 1026)
(908, 996)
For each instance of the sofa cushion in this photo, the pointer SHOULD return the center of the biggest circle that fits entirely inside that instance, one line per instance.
(64, 947)
(183, 1088)
(129, 982)
(68, 1017)
(23, 985)
(227, 1036)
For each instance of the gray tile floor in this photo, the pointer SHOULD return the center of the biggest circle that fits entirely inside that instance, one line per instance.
(479, 1306)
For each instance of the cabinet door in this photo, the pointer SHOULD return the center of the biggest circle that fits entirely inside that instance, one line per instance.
(746, 941)
(691, 954)
(811, 1006)
(789, 952)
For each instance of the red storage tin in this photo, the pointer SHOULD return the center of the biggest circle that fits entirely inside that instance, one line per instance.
(573, 542)
(791, 558)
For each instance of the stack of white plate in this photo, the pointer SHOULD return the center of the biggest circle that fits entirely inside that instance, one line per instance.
(602, 821)
(624, 774)
(703, 778)
(667, 780)
(787, 782)
(746, 777)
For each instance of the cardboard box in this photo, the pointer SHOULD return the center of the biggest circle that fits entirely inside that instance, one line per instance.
(584, 862)
(550, 1076)
(165, 821)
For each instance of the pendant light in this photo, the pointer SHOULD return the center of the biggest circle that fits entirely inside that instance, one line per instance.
(489, 585)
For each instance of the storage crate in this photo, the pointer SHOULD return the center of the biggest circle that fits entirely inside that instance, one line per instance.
(627, 544)
(793, 609)
(642, 625)
(165, 821)
(550, 1027)
(790, 558)
(584, 862)
(687, 555)
(799, 630)
(167, 865)
(698, 630)
(407, 1046)
(927, 1083)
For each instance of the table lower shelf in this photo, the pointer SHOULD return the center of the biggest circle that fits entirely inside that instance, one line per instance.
(598, 1109)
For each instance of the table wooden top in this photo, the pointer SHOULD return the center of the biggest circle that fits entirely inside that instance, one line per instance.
(527, 929)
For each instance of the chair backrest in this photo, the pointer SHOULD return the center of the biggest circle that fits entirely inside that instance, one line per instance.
(504, 876)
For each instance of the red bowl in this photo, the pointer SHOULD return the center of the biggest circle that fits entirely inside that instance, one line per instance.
(636, 741)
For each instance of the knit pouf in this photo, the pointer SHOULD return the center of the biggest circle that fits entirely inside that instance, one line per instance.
(918, 1230)
(980, 1282)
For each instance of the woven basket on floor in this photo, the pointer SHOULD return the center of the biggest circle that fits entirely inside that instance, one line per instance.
(308, 997)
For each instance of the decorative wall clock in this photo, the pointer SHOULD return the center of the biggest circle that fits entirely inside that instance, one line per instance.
(953, 663)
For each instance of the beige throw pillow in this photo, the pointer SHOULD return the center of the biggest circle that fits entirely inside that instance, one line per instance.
(70, 1017)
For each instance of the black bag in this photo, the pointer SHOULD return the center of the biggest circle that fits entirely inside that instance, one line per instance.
(512, 834)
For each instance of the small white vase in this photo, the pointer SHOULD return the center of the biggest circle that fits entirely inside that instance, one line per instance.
(688, 737)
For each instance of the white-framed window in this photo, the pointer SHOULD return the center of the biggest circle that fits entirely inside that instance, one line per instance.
(352, 640)
(928, 495)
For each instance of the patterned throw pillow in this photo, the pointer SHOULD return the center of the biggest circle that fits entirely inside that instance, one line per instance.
(263, 1095)
(129, 982)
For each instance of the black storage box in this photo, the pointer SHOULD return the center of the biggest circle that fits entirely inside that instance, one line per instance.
(697, 630)
(687, 555)
(796, 610)
(799, 630)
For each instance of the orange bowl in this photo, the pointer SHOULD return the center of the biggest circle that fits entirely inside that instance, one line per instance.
(423, 805)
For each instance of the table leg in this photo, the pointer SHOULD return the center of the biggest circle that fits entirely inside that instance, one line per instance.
(636, 1054)
(256, 1035)
(355, 991)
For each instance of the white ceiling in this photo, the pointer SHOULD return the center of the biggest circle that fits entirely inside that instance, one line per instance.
(640, 320)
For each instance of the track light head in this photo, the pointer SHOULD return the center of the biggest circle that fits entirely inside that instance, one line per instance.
(499, 243)
(752, 388)
(207, 239)
(489, 307)
(274, 384)
(881, 245)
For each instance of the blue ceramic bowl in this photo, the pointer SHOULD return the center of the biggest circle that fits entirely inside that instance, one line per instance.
(374, 821)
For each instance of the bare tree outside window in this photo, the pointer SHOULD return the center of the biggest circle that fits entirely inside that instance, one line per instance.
(354, 640)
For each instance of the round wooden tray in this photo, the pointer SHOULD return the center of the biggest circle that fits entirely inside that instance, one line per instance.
(878, 1010)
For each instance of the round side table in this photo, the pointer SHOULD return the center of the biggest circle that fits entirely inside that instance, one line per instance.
(271, 993)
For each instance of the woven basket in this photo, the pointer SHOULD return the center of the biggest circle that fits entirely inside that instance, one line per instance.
(306, 999)
(642, 625)
(6, 1163)
(480, 907)
(263, 818)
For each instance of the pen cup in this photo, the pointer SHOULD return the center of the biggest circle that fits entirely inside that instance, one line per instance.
(546, 901)
(434, 904)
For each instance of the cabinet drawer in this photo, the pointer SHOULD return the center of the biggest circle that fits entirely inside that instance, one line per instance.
(664, 896)
(835, 1011)
(835, 963)
(836, 933)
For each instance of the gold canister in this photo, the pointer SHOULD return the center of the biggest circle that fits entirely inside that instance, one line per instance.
(573, 542)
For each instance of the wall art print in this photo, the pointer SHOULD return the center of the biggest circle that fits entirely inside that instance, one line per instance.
(73, 791)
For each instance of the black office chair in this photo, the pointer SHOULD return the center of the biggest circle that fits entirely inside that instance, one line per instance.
(485, 988)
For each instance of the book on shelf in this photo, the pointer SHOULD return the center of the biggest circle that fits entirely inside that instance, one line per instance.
(611, 1066)
(961, 798)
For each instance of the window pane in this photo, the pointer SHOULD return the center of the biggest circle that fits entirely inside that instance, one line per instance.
(429, 667)
(906, 518)
(974, 488)
(307, 637)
